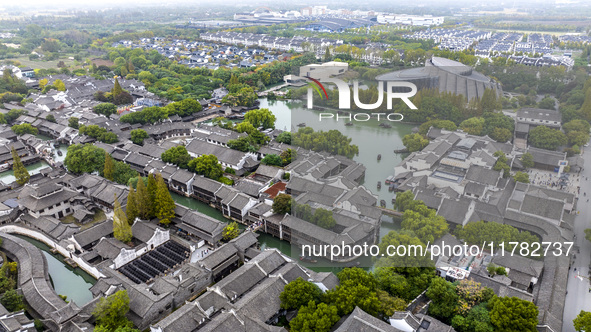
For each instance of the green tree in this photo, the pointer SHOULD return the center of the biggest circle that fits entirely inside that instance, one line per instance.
(585, 110)
(261, 118)
(414, 265)
(51, 118)
(473, 126)
(521, 177)
(123, 173)
(164, 204)
(315, 318)
(245, 127)
(527, 160)
(547, 138)
(24, 128)
(109, 168)
(332, 141)
(358, 276)
(177, 155)
(547, 103)
(20, 172)
(105, 109)
(477, 320)
(142, 200)
(389, 304)
(284, 137)
(138, 136)
(582, 322)
(231, 231)
(282, 204)
(327, 56)
(492, 232)
(183, 108)
(299, 293)
(99, 133)
(85, 158)
(501, 135)
(424, 222)
(303, 211)
(414, 142)
(509, 314)
(405, 201)
(392, 282)
(489, 101)
(110, 311)
(151, 189)
(288, 156)
(272, 159)
(73, 122)
(12, 301)
(131, 210)
(471, 293)
(121, 228)
(444, 299)
(206, 165)
(350, 294)
(323, 218)
(117, 90)
(59, 85)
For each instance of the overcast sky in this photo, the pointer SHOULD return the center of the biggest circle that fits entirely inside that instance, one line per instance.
(31, 4)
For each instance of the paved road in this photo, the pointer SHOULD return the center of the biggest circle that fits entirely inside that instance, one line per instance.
(579, 297)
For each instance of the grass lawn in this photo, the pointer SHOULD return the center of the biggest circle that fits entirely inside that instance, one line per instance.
(40, 64)
(98, 217)
(68, 219)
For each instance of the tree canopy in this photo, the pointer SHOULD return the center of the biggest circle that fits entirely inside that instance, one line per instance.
(547, 138)
(21, 174)
(231, 231)
(332, 141)
(282, 204)
(110, 312)
(24, 128)
(121, 228)
(206, 165)
(509, 314)
(414, 142)
(138, 136)
(299, 293)
(582, 322)
(85, 158)
(493, 232)
(315, 318)
(261, 118)
(177, 155)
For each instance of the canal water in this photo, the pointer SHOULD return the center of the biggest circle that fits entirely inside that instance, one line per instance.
(371, 139)
(368, 136)
(75, 283)
(7, 177)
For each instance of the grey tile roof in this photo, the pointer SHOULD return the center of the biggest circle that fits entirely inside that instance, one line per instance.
(94, 233)
(249, 187)
(218, 256)
(361, 321)
(206, 184)
(483, 175)
(203, 222)
(226, 155)
(454, 211)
